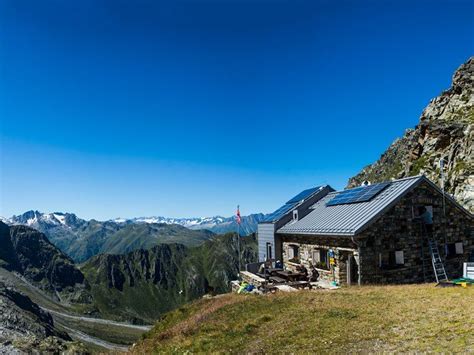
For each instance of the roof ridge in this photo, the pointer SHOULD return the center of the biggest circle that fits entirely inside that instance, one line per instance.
(389, 181)
(408, 178)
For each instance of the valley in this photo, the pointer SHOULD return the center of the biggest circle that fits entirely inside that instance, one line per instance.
(93, 333)
(144, 284)
(109, 301)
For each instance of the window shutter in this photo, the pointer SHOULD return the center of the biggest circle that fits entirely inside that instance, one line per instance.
(399, 258)
(316, 256)
(291, 253)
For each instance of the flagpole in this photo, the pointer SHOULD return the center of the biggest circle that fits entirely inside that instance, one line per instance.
(238, 236)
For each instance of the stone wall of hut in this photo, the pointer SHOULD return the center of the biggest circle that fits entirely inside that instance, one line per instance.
(342, 246)
(397, 230)
(400, 229)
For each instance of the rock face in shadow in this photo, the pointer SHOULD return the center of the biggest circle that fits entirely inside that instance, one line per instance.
(158, 265)
(8, 258)
(445, 130)
(29, 253)
(19, 314)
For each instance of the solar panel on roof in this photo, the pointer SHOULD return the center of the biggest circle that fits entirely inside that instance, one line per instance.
(303, 195)
(359, 194)
(279, 212)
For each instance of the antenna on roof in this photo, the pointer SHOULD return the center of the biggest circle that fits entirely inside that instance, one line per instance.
(441, 169)
(366, 183)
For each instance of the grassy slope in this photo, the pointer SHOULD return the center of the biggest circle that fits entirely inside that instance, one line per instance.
(384, 318)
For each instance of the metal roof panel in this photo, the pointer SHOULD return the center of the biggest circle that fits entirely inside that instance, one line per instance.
(349, 219)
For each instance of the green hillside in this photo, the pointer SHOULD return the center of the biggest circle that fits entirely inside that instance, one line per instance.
(107, 237)
(145, 236)
(367, 319)
(142, 285)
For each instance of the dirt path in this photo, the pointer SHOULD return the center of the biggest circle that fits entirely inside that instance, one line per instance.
(98, 320)
(96, 341)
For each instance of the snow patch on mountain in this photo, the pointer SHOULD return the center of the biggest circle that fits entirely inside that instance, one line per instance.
(66, 221)
(192, 223)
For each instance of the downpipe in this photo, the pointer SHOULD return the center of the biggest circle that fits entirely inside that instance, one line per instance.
(359, 278)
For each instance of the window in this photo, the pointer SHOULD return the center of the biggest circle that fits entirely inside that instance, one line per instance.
(391, 259)
(269, 251)
(454, 249)
(320, 259)
(293, 253)
(421, 209)
(295, 215)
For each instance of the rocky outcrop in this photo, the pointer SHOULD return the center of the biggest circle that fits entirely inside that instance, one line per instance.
(158, 266)
(445, 131)
(24, 326)
(29, 253)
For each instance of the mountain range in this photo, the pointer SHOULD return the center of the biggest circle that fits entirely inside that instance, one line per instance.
(81, 239)
(216, 224)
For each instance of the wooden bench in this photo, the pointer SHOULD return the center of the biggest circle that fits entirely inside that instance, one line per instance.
(277, 279)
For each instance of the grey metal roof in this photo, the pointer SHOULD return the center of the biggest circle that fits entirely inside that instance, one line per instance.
(350, 219)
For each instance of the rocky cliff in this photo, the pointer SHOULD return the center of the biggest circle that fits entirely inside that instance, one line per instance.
(28, 253)
(445, 131)
(25, 327)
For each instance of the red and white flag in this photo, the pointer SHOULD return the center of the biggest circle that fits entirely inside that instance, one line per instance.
(238, 215)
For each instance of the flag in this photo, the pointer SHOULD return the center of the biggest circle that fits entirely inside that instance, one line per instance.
(238, 215)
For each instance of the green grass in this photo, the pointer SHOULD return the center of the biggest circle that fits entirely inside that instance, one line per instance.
(386, 318)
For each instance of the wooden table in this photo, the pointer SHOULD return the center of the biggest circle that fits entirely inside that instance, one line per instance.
(291, 276)
(273, 271)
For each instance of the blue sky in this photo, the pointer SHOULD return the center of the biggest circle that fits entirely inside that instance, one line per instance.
(188, 108)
